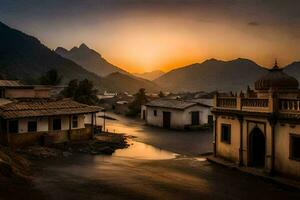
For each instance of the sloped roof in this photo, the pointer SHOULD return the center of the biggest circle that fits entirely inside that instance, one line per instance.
(10, 83)
(173, 103)
(44, 107)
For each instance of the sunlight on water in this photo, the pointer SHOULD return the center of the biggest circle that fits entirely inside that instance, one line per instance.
(140, 150)
(201, 159)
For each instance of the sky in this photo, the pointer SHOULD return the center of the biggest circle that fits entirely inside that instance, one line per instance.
(146, 35)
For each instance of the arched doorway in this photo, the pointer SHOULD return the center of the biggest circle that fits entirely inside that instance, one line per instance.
(257, 149)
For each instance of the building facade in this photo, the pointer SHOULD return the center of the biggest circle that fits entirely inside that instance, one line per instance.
(175, 114)
(261, 128)
(27, 121)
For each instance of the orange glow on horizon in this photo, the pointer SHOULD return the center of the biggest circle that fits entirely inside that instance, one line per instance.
(142, 43)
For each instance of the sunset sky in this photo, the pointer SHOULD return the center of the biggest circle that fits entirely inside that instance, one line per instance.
(140, 36)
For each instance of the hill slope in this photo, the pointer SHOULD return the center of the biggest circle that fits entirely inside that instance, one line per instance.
(293, 69)
(89, 59)
(150, 75)
(212, 75)
(133, 84)
(26, 58)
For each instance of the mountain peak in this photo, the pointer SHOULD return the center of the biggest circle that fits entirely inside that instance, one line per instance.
(90, 60)
(211, 60)
(83, 46)
(61, 50)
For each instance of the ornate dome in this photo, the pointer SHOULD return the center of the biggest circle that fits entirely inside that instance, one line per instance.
(276, 79)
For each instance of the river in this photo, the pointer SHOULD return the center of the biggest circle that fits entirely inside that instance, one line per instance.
(159, 164)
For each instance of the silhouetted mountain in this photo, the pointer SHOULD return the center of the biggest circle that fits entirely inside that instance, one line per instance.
(150, 75)
(26, 58)
(293, 69)
(89, 59)
(119, 81)
(212, 75)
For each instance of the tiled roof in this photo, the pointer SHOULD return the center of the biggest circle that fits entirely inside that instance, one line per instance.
(172, 103)
(10, 83)
(44, 107)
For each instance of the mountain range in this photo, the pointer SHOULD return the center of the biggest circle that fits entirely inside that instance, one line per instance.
(90, 59)
(150, 75)
(234, 75)
(212, 75)
(25, 58)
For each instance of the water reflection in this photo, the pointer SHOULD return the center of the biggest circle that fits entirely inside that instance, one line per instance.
(140, 150)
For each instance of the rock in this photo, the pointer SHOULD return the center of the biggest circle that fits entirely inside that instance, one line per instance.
(106, 150)
(94, 153)
(66, 154)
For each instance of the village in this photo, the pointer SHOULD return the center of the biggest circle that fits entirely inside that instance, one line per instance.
(254, 131)
(149, 100)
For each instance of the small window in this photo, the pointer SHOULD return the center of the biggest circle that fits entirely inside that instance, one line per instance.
(32, 126)
(295, 147)
(226, 133)
(74, 121)
(56, 124)
(155, 112)
(13, 126)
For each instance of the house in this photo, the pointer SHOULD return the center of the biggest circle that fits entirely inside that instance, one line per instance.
(13, 89)
(175, 114)
(28, 121)
(261, 129)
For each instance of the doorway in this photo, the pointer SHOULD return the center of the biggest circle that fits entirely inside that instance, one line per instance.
(195, 118)
(257, 144)
(167, 119)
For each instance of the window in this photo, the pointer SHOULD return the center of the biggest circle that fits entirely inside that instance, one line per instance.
(226, 133)
(13, 126)
(74, 121)
(56, 124)
(32, 126)
(155, 112)
(295, 147)
(2, 93)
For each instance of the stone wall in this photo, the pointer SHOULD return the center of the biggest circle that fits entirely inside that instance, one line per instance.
(44, 138)
(24, 139)
(81, 134)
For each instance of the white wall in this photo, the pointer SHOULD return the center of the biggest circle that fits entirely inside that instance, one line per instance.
(42, 123)
(283, 163)
(179, 118)
(225, 150)
(282, 149)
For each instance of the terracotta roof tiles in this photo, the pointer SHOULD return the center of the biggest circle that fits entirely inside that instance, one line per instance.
(44, 107)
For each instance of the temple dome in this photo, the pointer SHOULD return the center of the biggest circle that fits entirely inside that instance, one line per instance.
(276, 79)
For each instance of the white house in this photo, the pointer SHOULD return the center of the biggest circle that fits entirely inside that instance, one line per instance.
(29, 121)
(176, 114)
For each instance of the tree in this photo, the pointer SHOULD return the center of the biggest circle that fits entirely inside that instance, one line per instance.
(140, 99)
(51, 77)
(70, 91)
(161, 94)
(82, 91)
